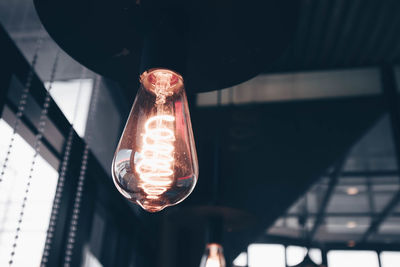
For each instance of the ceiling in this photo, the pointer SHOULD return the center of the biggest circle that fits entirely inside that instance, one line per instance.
(356, 194)
(330, 34)
(343, 34)
(271, 153)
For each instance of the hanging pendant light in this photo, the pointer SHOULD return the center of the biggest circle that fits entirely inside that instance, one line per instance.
(166, 44)
(155, 163)
(213, 256)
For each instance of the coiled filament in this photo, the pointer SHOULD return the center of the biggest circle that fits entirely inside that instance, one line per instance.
(155, 168)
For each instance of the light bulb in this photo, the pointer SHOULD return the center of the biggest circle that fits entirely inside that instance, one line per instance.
(213, 256)
(155, 164)
(351, 191)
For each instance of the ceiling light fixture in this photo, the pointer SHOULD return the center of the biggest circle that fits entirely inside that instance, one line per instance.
(166, 44)
(351, 191)
(213, 256)
(155, 164)
(351, 224)
(351, 243)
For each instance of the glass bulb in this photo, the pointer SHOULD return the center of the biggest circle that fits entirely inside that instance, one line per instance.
(155, 164)
(213, 256)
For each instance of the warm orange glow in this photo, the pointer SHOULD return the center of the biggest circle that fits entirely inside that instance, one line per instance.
(155, 167)
(352, 191)
(351, 224)
(155, 164)
(351, 243)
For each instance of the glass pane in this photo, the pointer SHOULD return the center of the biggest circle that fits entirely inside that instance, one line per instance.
(390, 226)
(73, 98)
(240, 260)
(316, 255)
(295, 255)
(261, 255)
(350, 258)
(36, 217)
(390, 259)
(375, 151)
(282, 227)
(339, 203)
(383, 190)
(89, 260)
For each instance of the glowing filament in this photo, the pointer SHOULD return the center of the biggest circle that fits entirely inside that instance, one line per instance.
(155, 167)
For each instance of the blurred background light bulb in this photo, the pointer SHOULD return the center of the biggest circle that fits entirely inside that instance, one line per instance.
(213, 256)
(155, 164)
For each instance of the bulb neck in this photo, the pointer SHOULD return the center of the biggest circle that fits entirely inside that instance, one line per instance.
(162, 82)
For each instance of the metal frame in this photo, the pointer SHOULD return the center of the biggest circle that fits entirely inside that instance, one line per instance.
(334, 177)
(287, 241)
(389, 86)
(362, 174)
(390, 91)
(325, 248)
(391, 98)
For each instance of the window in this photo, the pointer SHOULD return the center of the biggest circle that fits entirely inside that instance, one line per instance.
(73, 98)
(261, 255)
(38, 207)
(390, 258)
(352, 258)
(295, 255)
(240, 260)
(89, 259)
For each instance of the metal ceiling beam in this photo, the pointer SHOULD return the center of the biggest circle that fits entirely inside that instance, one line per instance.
(363, 174)
(389, 86)
(334, 245)
(337, 24)
(334, 177)
(341, 214)
(32, 35)
(376, 223)
(371, 202)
